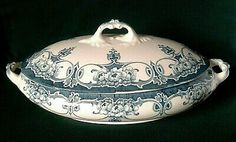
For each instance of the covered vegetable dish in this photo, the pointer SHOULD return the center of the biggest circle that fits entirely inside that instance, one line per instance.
(117, 79)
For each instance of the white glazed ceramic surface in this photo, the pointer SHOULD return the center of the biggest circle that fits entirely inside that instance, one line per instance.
(117, 79)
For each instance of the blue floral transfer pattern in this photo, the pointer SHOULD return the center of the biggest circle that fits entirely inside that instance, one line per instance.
(160, 102)
(114, 74)
(44, 68)
(47, 66)
(37, 93)
(183, 63)
(118, 109)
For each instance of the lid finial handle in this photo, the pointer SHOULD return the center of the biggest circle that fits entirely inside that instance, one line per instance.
(98, 39)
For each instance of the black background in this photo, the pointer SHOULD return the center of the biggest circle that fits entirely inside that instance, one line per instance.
(206, 26)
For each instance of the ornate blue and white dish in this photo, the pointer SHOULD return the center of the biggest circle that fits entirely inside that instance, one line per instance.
(117, 79)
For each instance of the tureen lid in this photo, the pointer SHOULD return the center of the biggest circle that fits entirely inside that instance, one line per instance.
(114, 63)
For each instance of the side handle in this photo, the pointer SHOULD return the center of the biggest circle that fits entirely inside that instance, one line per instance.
(224, 66)
(10, 71)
